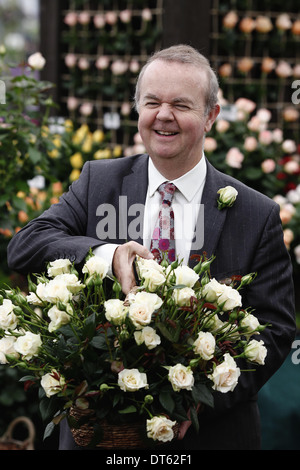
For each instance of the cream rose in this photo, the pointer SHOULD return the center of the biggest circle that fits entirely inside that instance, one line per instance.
(186, 276)
(228, 195)
(225, 375)
(54, 291)
(205, 345)
(28, 345)
(8, 320)
(7, 347)
(96, 265)
(36, 61)
(160, 428)
(212, 290)
(255, 351)
(142, 307)
(229, 299)
(59, 266)
(148, 336)
(52, 383)
(153, 279)
(115, 311)
(71, 281)
(181, 377)
(182, 297)
(250, 324)
(131, 380)
(58, 317)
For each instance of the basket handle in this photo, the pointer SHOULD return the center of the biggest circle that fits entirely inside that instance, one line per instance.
(29, 442)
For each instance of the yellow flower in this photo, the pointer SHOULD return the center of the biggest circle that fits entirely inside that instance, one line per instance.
(76, 160)
(57, 141)
(100, 154)
(98, 136)
(117, 152)
(68, 125)
(80, 134)
(53, 153)
(74, 175)
(87, 144)
(45, 131)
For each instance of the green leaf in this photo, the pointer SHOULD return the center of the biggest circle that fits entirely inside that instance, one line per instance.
(128, 409)
(167, 401)
(99, 342)
(201, 393)
(34, 155)
(170, 333)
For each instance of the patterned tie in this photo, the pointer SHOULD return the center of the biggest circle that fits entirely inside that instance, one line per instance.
(163, 241)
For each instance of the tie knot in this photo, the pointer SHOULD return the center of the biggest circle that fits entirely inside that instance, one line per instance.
(167, 190)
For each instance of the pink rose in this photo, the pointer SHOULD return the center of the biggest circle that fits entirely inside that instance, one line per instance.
(268, 165)
(234, 158)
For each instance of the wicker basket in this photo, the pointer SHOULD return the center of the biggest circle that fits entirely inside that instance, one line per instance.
(7, 442)
(115, 436)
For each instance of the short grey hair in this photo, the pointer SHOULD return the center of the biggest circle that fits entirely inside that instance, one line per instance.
(184, 54)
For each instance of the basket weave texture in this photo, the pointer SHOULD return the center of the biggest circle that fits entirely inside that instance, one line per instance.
(7, 442)
(114, 436)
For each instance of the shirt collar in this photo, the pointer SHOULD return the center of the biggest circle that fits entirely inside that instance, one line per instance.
(188, 184)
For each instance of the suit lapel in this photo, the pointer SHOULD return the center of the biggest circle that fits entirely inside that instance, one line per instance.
(134, 190)
(213, 218)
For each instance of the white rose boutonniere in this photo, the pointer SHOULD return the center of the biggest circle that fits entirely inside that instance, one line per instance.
(227, 197)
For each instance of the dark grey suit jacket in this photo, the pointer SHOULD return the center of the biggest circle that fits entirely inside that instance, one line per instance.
(245, 238)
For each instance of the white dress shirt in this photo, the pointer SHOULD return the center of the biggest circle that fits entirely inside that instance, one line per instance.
(186, 203)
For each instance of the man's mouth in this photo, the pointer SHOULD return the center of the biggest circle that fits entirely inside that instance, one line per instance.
(165, 133)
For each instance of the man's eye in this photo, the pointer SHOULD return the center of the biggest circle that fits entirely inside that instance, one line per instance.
(182, 107)
(152, 104)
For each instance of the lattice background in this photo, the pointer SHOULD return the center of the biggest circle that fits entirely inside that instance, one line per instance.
(255, 47)
(104, 45)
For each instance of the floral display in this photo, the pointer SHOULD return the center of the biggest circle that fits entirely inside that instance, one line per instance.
(152, 356)
(247, 148)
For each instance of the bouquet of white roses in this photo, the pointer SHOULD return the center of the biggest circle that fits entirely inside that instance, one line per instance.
(150, 357)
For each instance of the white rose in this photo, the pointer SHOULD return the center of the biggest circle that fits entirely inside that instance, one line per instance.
(228, 195)
(33, 299)
(182, 297)
(250, 323)
(58, 317)
(59, 266)
(36, 61)
(148, 336)
(71, 281)
(142, 308)
(8, 320)
(28, 345)
(153, 279)
(145, 265)
(96, 265)
(181, 377)
(52, 383)
(7, 347)
(229, 299)
(54, 291)
(115, 311)
(225, 375)
(131, 380)
(255, 351)
(160, 428)
(212, 290)
(205, 345)
(186, 276)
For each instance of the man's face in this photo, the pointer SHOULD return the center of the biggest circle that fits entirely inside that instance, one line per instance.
(172, 120)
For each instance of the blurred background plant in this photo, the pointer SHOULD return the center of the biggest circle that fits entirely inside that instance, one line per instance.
(242, 145)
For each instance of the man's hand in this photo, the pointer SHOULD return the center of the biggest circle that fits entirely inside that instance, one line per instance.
(123, 260)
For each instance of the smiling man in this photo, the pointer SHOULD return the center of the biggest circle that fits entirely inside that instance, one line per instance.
(176, 98)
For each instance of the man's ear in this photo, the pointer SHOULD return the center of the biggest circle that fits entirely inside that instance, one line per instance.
(211, 117)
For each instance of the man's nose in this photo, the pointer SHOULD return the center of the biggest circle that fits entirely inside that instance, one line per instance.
(165, 112)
